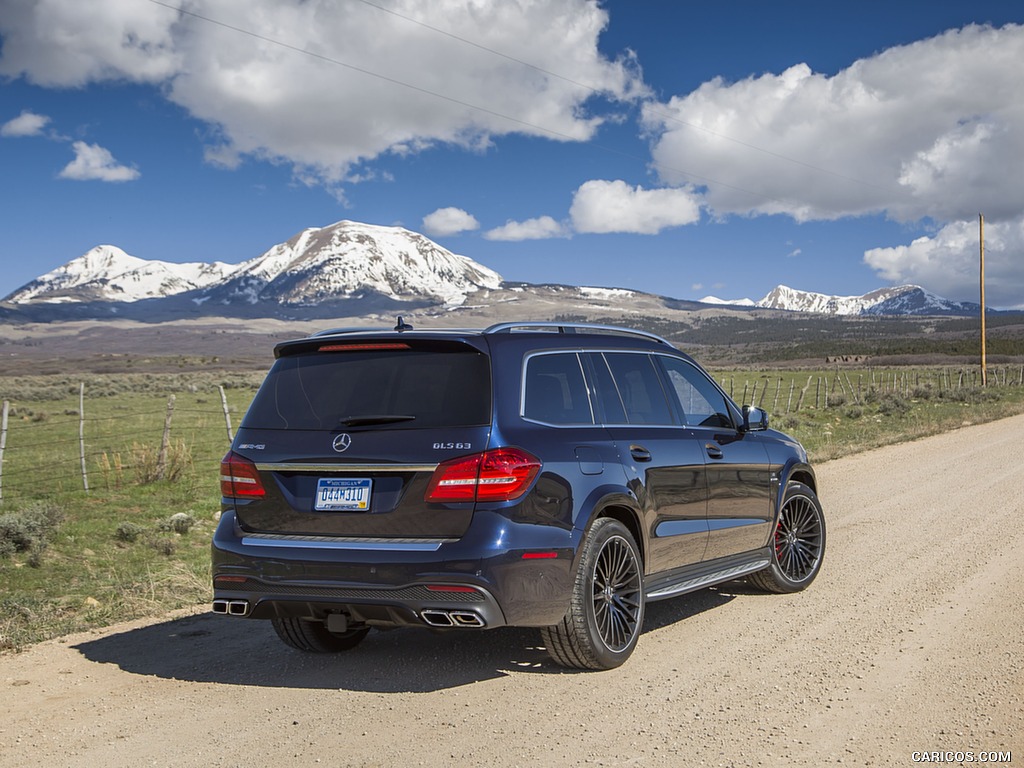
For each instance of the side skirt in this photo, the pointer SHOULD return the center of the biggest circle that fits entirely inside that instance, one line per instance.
(693, 577)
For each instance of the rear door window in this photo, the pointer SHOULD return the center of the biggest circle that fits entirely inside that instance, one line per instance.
(408, 388)
(554, 390)
(639, 388)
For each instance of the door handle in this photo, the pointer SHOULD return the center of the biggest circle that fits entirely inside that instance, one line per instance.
(713, 450)
(639, 453)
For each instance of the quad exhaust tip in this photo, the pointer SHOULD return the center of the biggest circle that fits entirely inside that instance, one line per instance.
(231, 607)
(440, 618)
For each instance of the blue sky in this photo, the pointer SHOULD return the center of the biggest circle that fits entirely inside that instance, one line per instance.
(680, 148)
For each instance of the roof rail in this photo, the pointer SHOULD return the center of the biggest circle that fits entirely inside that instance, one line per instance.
(573, 328)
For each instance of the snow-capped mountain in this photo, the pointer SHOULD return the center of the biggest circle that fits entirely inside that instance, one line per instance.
(728, 302)
(349, 269)
(899, 300)
(345, 260)
(106, 273)
(350, 260)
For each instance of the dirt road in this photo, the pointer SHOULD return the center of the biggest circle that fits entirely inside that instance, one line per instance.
(912, 639)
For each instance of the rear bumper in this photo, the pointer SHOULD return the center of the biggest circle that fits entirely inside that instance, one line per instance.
(491, 577)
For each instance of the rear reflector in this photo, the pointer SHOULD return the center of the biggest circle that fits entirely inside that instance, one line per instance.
(501, 474)
(230, 579)
(239, 477)
(539, 555)
(450, 588)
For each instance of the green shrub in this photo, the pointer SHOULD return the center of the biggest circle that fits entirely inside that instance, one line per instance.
(163, 545)
(129, 532)
(28, 530)
(891, 404)
(180, 522)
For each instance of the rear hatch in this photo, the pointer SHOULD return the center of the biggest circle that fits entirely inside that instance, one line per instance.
(344, 435)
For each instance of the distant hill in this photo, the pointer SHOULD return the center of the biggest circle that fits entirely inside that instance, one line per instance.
(900, 300)
(350, 269)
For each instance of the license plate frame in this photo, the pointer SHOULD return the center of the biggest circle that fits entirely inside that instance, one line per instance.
(343, 494)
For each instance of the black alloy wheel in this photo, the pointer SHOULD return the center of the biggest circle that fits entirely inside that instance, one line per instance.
(606, 612)
(797, 544)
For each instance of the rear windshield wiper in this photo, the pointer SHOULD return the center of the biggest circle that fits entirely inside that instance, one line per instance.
(363, 421)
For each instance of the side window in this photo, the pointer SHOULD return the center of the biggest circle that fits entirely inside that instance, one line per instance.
(607, 392)
(701, 402)
(555, 392)
(640, 388)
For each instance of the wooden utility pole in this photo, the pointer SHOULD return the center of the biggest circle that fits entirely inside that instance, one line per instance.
(981, 240)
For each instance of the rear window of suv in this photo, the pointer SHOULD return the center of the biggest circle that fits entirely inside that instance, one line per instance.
(408, 388)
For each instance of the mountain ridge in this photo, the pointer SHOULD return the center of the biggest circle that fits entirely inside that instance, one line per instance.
(350, 268)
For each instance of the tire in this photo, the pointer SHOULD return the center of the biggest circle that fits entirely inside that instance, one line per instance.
(313, 637)
(797, 544)
(606, 611)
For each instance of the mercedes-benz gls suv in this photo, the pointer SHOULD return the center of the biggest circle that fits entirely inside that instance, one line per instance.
(544, 475)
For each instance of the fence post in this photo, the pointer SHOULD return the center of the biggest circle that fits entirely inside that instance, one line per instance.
(165, 443)
(81, 434)
(227, 415)
(3, 444)
(800, 400)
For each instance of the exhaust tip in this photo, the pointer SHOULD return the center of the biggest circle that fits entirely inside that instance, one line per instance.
(231, 607)
(437, 618)
(466, 619)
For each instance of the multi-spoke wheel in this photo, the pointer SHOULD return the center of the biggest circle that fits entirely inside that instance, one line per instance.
(798, 543)
(603, 623)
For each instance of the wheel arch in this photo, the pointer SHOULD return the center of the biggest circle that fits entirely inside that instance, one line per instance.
(802, 473)
(629, 518)
(795, 472)
(618, 505)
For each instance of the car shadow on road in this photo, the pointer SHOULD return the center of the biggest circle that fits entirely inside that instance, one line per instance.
(208, 648)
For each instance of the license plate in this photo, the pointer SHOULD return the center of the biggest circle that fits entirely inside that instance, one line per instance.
(343, 493)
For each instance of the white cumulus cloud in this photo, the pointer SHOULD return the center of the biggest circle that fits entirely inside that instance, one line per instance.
(95, 163)
(614, 206)
(929, 131)
(325, 85)
(948, 262)
(449, 221)
(921, 130)
(26, 124)
(539, 228)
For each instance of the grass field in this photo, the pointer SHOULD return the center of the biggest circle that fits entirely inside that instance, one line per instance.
(137, 544)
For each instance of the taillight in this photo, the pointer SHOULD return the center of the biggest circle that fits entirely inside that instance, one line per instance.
(239, 477)
(501, 474)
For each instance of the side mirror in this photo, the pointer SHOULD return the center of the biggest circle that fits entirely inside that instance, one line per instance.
(754, 419)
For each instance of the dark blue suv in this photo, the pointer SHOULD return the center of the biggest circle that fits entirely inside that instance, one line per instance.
(534, 474)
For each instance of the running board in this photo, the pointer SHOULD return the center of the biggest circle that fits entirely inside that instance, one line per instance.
(689, 581)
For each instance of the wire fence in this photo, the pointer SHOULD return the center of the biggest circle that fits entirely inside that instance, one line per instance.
(789, 393)
(110, 441)
(115, 439)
